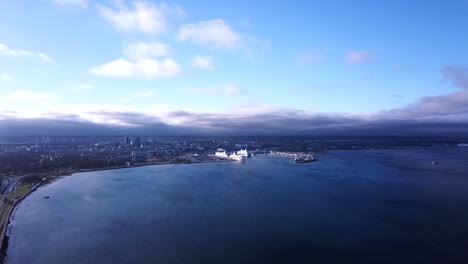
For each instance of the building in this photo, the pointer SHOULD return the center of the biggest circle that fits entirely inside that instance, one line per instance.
(128, 141)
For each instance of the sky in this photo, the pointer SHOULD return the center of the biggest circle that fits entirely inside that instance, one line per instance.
(336, 67)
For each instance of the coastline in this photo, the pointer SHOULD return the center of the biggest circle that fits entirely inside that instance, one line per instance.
(6, 221)
(45, 182)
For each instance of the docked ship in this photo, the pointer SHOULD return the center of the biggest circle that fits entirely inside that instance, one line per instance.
(304, 159)
(244, 152)
(221, 153)
(238, 157)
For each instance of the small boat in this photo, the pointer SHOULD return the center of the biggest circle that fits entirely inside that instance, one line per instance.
(435, 163)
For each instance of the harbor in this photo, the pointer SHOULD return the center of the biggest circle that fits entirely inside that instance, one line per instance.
(299, 157)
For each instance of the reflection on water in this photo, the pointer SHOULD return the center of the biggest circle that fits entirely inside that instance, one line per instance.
(351, 206)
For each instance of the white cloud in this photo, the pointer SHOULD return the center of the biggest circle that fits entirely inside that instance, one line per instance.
(143, 62)
(140, 16)
(29, 97)
(6, 51)
(6, 77)
(140, 50)
(78, 3)
(44, 57)
(214, 32)
(226, 89)
(202, 62)
(357, 56)
(145, 94)
(147, 68)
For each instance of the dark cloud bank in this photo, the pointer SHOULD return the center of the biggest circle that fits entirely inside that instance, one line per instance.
(445, 115)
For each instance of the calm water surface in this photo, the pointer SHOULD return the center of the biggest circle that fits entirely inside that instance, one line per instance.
(378, 206)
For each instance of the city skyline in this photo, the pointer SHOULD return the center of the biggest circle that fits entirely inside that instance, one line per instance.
(83, 67)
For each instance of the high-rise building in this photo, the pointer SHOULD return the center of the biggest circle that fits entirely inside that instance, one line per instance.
(138, 142)
(128, 141)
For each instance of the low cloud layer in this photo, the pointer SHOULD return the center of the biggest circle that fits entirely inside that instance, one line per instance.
(453, 106)
(279, 122)
(444, 115)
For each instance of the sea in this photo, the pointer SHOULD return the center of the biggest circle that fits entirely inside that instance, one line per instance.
(355, 206)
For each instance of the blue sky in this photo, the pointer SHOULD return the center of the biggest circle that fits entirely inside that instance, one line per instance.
(322, 58)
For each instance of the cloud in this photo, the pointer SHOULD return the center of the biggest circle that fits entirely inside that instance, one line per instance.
(143, 62)
(140, 16)
(202, 62)
(76, 126)
(147, 68)
(145, 94)
(6, 77)
(451, 106)
(44, 57)
(70, 3)
(27, 96)
(259, 120)
(434, 107)
(216, 33)
(6, 51)
(357, 57)
(226, 90)
(443, 115)
(141, 50)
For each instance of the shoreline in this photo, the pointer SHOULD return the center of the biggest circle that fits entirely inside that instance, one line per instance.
(4, 238)
(136, 165)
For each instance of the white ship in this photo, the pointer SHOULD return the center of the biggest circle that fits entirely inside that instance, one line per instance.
(244, 152)
(463, 145)
(221, 153)
(238, 157)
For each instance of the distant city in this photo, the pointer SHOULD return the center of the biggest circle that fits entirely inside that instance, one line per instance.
(47, 156)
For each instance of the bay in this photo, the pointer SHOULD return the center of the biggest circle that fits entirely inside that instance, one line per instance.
(350, 206)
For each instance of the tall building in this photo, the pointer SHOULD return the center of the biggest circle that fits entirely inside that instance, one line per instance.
(128, 141)
(138, 142)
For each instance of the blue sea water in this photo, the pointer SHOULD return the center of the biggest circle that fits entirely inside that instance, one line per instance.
(373, 206)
